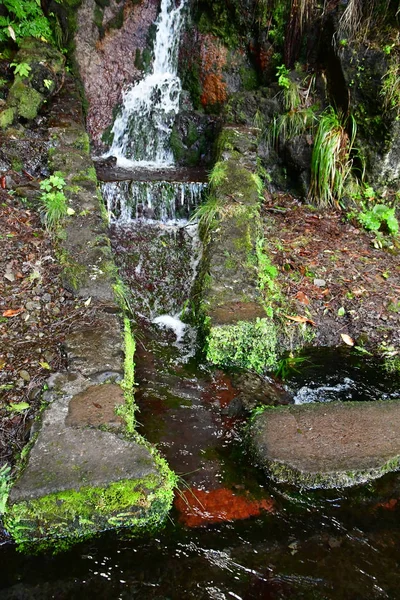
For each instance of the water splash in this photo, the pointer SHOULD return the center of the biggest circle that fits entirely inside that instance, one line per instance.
(143, 128)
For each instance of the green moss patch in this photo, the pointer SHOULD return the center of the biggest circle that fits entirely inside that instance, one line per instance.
(250, 345)
(57, 520)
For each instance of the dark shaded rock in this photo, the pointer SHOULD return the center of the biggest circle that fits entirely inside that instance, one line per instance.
(364, 68)
(255, 390)
(298, 153)
(192, 138)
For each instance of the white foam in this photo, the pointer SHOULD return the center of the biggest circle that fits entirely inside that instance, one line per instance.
(324, 393)
(171, 322)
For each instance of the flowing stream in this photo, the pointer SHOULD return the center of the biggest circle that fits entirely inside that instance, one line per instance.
(232, 534)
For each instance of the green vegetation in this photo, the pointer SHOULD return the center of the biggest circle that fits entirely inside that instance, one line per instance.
(299, 116)
(250, 345)
(331, 162)
(380, 217)
(5, 485)
(53, 200)
(22, 69)
(23, 18)
(390, 90)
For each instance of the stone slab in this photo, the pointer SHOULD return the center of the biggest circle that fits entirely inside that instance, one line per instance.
(328, 445)
(73, 458)
(96, 406)
(97, 348)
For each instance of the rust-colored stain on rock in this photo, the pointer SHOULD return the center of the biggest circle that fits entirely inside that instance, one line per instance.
(199, 507)
(213, 59)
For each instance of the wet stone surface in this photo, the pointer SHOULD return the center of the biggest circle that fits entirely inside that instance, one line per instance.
(331, 445)
(96, 406)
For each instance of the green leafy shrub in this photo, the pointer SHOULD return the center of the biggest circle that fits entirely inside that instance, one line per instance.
(24, 18)
(380, 216)
(21, 69)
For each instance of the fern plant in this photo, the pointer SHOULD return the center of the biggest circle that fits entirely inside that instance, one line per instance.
(23, 18)
(331, 162)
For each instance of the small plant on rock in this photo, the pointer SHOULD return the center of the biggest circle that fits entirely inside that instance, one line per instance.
(53, 200)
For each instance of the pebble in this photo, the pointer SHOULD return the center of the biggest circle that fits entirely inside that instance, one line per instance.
(24, 375)
(320, 282)
(46, 298)
(32, 305)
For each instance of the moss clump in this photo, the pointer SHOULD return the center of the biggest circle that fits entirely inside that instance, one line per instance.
(7, 117)
(25, 99)
(88, 174)
(177, 147)
(58, 520)
(250, 345)
(82, 143)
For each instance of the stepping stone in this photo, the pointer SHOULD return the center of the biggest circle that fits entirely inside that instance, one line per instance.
(328, 445)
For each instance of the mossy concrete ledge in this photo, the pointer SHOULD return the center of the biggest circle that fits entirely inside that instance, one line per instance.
(239, 329)
(85, 473)
(328, 445)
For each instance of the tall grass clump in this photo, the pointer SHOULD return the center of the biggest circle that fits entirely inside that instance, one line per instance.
(300, 115)
(331, 162)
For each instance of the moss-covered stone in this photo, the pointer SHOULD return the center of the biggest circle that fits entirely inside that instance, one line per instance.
(7, 117)
(44, 78)
(57, 520)
(246, 344)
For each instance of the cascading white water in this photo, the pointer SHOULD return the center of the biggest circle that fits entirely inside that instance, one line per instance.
(143, 128)
(171, 203)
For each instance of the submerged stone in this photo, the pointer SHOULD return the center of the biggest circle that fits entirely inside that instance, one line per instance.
(328, 445)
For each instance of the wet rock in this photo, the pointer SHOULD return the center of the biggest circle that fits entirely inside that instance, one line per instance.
(96, 406)
(112, 55)
(328, 445)
(255, 390)
(98, 348)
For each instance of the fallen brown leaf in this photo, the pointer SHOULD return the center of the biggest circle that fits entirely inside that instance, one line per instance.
(301, 297)
(300, 319)
(347, 339)
(12, 312)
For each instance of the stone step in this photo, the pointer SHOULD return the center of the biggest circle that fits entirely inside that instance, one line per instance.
(328, 445)
(108, 172)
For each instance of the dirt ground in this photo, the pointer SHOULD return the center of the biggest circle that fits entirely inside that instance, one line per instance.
(335, 276)
(36, 312)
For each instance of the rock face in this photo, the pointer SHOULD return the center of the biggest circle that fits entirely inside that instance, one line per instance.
(329, 445)
(112, 48)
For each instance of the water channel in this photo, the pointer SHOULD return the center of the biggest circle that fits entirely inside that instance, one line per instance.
(232, 533)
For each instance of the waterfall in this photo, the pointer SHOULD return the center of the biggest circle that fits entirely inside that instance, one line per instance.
(169, 203)
(143, 127)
